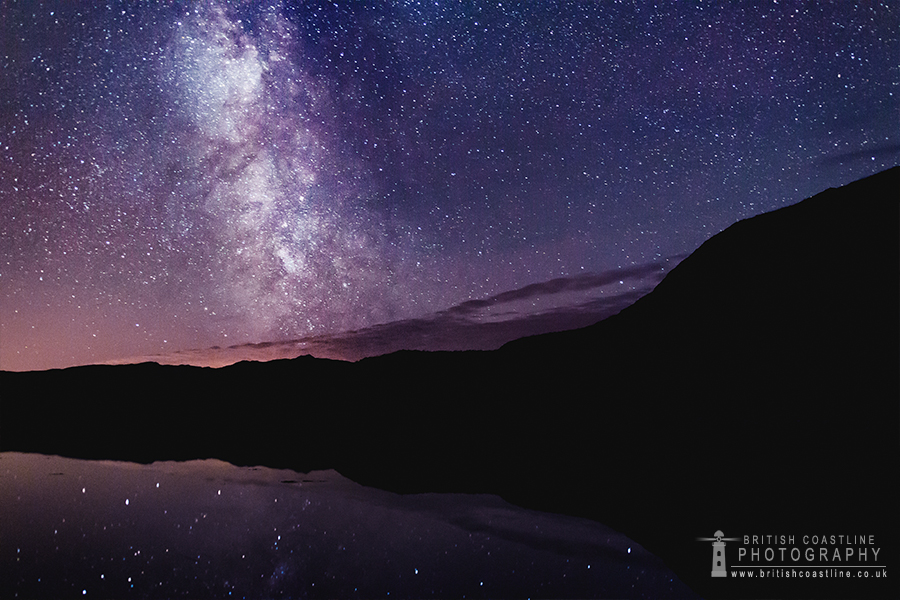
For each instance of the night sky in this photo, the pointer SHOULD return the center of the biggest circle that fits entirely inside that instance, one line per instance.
(182, 175)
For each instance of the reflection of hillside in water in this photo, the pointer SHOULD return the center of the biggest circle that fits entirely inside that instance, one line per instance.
(209, 529)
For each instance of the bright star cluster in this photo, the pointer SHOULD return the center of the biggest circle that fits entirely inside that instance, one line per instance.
(183, 175)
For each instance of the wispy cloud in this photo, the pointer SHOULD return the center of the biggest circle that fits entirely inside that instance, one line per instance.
(578, 283)
(483, 324)
(877, 153)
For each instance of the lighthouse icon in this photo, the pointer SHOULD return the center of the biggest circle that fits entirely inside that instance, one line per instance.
(718, 555)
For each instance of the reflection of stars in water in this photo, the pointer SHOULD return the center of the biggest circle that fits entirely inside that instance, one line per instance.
(212, 529)
(193, 175)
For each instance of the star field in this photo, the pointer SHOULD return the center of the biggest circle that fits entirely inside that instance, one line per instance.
(188, 175)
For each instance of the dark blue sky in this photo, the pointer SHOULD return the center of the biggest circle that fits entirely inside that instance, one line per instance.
(216, 173)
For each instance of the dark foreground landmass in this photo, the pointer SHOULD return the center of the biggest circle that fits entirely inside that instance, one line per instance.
(755, 391)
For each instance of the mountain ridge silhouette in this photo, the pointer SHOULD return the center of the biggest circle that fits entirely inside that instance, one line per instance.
(756, 389)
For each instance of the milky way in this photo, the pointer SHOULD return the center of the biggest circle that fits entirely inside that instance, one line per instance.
(292, 247)
(177, 177)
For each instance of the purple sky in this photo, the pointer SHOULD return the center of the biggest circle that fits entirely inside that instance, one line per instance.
(181, 177)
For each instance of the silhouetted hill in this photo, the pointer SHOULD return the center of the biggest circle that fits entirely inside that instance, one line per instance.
(756, 390)
(765, 369)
